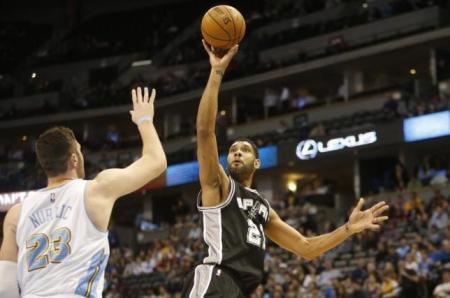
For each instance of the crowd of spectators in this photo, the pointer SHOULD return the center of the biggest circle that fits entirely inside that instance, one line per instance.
(191, 49)
(410, 257)
(17, 41)
(18, 160)
(91, 39)
(430, 170)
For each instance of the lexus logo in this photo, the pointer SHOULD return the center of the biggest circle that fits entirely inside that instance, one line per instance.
(309, 149)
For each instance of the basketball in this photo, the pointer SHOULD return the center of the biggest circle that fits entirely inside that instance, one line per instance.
(223, 26)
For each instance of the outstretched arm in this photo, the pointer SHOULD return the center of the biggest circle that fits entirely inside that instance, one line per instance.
(111, 184)
(309, 248)
(213, 180)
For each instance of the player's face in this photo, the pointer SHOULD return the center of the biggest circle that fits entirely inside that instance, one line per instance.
(80, 164)
(241, 160)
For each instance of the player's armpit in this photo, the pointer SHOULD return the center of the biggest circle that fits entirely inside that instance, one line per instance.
(8, 251)
(287, 237)
(114, 183)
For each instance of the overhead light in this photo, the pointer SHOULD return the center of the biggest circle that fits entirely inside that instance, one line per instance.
(141, 63)
(412, 72)
(292, 186)
(365, 5)
(24, 138)
(223, 113)
(33, 75)
(443, 86)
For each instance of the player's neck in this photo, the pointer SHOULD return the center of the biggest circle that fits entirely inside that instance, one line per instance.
(60, 180)
(246, 182)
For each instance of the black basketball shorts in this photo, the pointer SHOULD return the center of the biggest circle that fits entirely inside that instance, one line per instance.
(210, 281)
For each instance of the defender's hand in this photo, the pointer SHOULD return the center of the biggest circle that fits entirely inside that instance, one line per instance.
(368, 219)
(143, 109)
(220, 63)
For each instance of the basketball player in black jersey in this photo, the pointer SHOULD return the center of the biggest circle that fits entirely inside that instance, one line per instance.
(237, 219)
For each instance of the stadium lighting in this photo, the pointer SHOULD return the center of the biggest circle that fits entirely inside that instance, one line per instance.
(292, 186)
(141, 63)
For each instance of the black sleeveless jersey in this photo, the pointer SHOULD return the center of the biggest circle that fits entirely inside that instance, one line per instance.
(234, 233)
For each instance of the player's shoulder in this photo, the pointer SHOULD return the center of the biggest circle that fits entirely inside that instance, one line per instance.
(15, 210)
(13, 214)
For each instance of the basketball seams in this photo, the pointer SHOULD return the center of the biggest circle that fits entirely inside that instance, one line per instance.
(213, 37)
(218, 24)
(229, 20)
(234, 24)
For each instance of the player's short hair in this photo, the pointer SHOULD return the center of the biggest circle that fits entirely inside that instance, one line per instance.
(53, 148)
(254, 147)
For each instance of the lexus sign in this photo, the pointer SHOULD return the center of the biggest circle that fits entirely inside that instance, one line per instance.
(309, 149)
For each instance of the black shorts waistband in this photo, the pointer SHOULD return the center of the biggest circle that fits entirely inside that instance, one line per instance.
(231, 273)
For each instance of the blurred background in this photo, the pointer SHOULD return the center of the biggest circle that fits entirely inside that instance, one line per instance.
(346, 98)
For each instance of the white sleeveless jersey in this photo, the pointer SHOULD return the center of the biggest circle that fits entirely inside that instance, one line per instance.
(61, 252)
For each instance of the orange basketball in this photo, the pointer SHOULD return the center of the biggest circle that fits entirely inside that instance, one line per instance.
(223, 26)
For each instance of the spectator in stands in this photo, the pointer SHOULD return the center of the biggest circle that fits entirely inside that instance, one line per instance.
(317, 131)
(271, 101)
(439, 218)
(409, 276)
(403, 248)
(389, 285)
(442, 256)
(443, 289)
(285, 99)
(400, 176)
(359, 273)
(326, 277)
(414, 206)
(372, 286)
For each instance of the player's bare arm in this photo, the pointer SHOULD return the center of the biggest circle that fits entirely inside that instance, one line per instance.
(309, 248)
(214, 182)
(111, 184)
(8, 254)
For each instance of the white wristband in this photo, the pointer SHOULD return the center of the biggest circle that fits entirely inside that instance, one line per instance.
(144, 119)
(8, 282)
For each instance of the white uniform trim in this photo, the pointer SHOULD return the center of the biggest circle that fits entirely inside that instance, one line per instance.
(212, 227)
(202, 279)
(223, 204)
(212, 235)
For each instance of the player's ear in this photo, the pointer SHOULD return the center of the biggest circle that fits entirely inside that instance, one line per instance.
(74, 159)
(257, 163)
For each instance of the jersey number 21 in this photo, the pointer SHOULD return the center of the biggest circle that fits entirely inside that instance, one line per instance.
(254, 235)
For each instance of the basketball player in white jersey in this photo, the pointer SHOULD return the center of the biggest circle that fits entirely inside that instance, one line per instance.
(55, 243)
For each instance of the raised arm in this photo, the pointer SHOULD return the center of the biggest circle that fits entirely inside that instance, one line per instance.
(111, 184)
(213, 180)
(309, 248)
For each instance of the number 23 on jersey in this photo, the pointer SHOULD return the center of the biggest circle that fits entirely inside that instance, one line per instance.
(42, 249)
